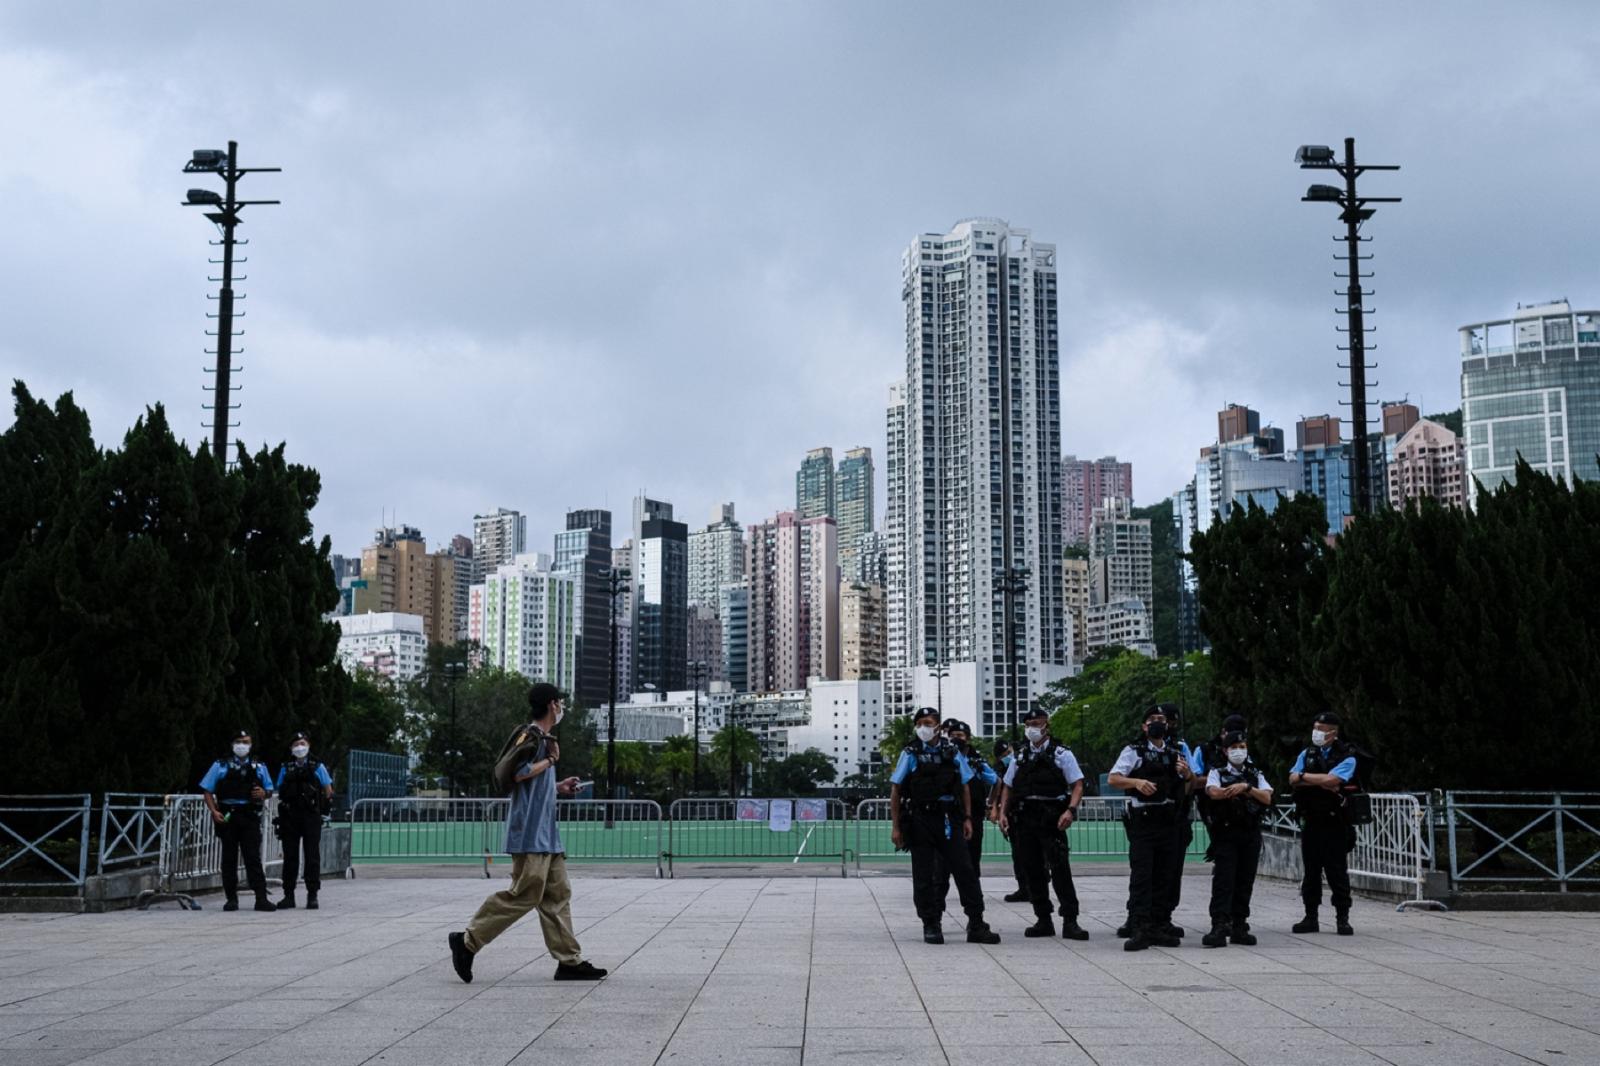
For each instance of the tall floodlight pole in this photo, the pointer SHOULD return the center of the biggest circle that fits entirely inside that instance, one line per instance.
(1014, 583)
(1353, 212)
(697, 673)
(939, 672)
(226, 216)
(616, 579)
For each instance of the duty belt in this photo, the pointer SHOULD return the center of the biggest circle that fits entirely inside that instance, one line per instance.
(933, 806)
(1042, 799)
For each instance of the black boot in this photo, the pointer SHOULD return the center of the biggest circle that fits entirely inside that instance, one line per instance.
(1174, 931)
(932, 933)
(264, 904)
(232, 904)
(1218, 937)
(978, 932)
(1242, 935)
(1071, 930)
(1341, 921)
(1126, 928)
(1137, 941)
(1019, 896)
(1308, 924)
(311, 901)
(1042, 927)
(287, 902)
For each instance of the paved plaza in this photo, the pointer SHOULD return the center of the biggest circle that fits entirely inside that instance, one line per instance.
(788, 970)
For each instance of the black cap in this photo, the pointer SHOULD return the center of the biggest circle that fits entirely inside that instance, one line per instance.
(925, 712)
(956, 725)
(1034, 714)
(243, 734)
(1157, 709)
(1328, 718)
(1002, 746)
(299, 736)
(540, 697)
(1234, 723)
(1232, 737)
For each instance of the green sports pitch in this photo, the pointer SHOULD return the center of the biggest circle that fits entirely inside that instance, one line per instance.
(700, 841)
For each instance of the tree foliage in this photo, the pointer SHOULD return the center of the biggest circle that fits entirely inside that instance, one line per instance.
(1163, 574)
(1462, 648)
(153, 603)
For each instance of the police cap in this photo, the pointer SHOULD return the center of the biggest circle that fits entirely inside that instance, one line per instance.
(955, 725)
(925, 712)
(1232, 737)
(1328, 718)
(242, 734)
(298, 736)
(1234, 723)
(1036, 714)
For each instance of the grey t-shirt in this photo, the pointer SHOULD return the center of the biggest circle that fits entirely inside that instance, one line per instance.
(531, 823)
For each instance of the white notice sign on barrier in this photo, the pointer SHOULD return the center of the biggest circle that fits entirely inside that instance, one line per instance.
(780, 816)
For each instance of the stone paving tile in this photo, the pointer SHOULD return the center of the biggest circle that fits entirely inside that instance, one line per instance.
(785, 971)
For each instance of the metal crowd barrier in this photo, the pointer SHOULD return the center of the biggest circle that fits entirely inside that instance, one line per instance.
(1097, 833)
(33, 826)
(438, 829)
(1554, 834)
(191, 852)
(746, 829)
(1394, 847)
(130, 829)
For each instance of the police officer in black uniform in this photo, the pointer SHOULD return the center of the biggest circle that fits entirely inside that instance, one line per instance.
(1003, 759)
(1322, 778)
(983, 788)
(1212, 755)
(236, 790)
(1155, 773)
(1239, 796)
(305, 795)
(1043, 787)
(931, 813)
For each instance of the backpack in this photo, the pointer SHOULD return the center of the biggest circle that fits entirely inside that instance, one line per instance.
(520, 747)
(1358, 804)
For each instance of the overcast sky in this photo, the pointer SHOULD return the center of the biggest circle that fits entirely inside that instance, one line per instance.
(544, 255)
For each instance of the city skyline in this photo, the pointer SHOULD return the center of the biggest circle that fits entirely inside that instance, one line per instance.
(380, 319)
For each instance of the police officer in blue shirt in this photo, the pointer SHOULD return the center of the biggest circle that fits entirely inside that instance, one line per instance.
(236, 789)
(1239, 795)
(305, 793)
(1321, 777)
(984, 790)
(1043, 787)
(1156, 774)
(930, 809)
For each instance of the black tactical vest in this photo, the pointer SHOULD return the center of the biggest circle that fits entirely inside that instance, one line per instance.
(238, 779)
(978, 787)
(1038, 776)
(1158, 766)
(1240, 812)
(300, 790)
(1314, 799)
(935, 774)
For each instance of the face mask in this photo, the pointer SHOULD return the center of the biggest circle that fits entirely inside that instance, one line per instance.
(241, 750)
(959, 742)
(1319, 738)
(1237, 756)
(925, 733)
(299, 751)
(559, 714)
(1035, 734)
(1156, 730)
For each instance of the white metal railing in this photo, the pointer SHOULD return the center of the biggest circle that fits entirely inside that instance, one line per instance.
(192, 852)
(817, 831)
(130, 829)
(1392, 848)
(31, 827)
(1555, 836)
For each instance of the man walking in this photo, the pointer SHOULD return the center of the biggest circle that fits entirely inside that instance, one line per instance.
(538, 861)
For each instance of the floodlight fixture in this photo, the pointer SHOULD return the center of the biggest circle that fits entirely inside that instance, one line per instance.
(207, 159)
(204, 196)
(1314, 155)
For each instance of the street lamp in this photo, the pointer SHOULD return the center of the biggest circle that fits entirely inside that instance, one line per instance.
(616, 582)
(697, 673)
(733, 751)
(1182, 666)
(939, 673)
(1353, 212)
(226, 216)
(1013, 582)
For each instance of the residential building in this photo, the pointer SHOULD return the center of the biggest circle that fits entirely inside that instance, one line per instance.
(1121, 624)
(705, 644)
(523, 619)
(1185, 521)
(1119, 555)
(661, 596)
(871, 565)
(622, 603)
(1326, 467)
(389, 643)
(1428, 460)
(1530, 390)
(975, 473)
(813, 485)
(716, 557)
(346, 578)
(1075, 599)
(733, 612)
(1085, 485)
(793, 569)
(857, 519)
(583, 549)
(498, 538)
(402, 577)
(466, 575)
(845, 723)
(863, 632)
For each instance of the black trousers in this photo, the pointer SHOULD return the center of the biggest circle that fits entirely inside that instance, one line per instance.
(302, 829)
(241, 835)
(932, 854)
(1325, 852)
(1235, 854)
(974, 855)
(1155, 861)
(1043, 854)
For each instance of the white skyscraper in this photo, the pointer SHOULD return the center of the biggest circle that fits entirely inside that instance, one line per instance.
(974, 470)
(523, 616)
(716, 558)
(497, 539)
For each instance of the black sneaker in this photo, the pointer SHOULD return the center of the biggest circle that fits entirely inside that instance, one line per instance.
(1217, 938)
(1019, 896)
(1043, 927)
(231, 905)
(980, 933)
(1308, 924)
(583, 971)
(1071, 930)
(460, 957)
(287, 903)
(265, 905)
(1341, 924)
(311, 902)
(932, 934)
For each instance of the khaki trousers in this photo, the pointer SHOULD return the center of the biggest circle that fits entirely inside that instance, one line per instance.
(537, 882)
